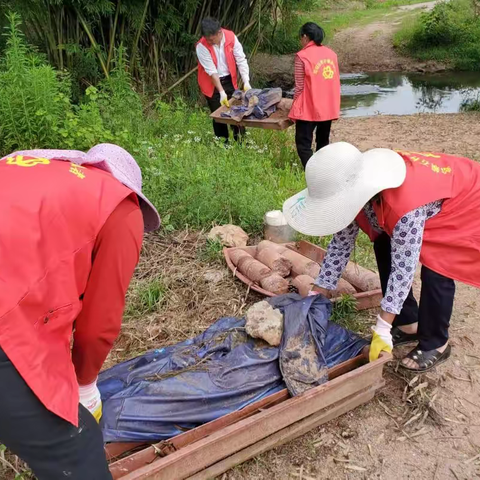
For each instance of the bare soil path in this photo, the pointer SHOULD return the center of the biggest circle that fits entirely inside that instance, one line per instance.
(369, 48)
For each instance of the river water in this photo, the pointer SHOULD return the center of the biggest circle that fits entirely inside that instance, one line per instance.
(405, 94)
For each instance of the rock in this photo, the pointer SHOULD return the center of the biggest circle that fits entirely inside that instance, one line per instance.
(213, 276)
(229, 235)
(265, 322)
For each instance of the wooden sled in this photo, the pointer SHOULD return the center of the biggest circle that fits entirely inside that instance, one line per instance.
(213, 448)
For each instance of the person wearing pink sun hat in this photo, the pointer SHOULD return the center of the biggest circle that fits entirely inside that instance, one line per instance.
(71, 231)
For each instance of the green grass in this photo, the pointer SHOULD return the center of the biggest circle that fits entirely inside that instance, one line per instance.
(145, 297)
(472, 105)
(212, 252)
(450, 33)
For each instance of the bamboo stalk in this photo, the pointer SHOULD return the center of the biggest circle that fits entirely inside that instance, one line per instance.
(137, 38)
(93, 42)
(112, 35)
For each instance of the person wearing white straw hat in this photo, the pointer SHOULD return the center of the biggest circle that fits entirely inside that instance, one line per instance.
(416, 207)
(70, 238)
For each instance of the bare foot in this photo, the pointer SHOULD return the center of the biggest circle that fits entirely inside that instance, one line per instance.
(410, 363)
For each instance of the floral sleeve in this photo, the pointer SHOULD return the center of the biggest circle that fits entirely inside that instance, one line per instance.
(338, 253)
(406, 243)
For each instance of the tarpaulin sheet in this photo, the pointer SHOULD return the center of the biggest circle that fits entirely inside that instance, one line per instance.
(173, 389)
(256, 103)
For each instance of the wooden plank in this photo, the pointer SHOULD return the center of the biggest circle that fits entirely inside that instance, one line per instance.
(277, 121)
(309, 250)
(114, 450)
(218, 445)
(148, 455)
(287, 434)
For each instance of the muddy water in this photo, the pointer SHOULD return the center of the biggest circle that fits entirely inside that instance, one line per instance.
(405, 94)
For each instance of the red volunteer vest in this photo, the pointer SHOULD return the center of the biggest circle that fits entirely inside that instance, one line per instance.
(320, 98)
(451, 241)
(51, 213)
(204, 80)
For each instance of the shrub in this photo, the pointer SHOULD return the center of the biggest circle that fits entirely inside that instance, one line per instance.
(449, 33)
(33, 99)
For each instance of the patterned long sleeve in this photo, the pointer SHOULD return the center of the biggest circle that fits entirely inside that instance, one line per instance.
(406, 243)
(338, 253)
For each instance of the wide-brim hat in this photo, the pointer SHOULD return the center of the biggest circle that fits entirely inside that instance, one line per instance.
(113, 159)
(340, 181)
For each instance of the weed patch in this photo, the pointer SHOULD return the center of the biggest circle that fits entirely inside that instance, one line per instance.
(449, 33)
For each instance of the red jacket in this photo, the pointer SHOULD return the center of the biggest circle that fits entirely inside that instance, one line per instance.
(204, 80)
(320, 99)
(451, 240)
(52, 212)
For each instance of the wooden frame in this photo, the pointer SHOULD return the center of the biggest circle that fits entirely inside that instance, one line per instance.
(364, 300)
(215, 447)
(277, 121)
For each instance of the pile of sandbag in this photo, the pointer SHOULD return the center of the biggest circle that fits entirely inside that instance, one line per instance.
(279, 270)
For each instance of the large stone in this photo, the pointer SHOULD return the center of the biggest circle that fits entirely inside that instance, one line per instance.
(229, 235)
(265, 322)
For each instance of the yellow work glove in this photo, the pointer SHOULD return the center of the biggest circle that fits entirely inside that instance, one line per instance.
(90, 398)
(247, 87)
(381, 339)
(224, 99)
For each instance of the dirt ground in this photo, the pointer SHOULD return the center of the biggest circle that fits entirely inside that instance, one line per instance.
(369, 48)
(434, 434)
(391, 437)
(362, 48)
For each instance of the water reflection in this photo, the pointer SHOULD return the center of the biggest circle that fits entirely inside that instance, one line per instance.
(404, 94)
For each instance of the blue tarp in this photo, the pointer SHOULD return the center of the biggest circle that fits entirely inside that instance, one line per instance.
(173, 389)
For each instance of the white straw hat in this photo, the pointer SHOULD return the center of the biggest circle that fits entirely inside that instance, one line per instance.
(340, 181)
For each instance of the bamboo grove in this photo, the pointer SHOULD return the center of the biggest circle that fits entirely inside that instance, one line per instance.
(157, 36)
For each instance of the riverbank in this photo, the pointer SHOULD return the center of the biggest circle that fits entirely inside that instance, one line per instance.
(362, 39)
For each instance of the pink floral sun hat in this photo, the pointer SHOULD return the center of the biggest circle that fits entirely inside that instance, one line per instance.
(113, 159)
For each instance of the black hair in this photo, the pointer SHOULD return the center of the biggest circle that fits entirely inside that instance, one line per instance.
(210, 26)
(314, 32)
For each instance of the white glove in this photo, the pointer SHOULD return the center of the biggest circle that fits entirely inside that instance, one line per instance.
(90, 398)
(224, 99)
(247, 87)
(382, 339)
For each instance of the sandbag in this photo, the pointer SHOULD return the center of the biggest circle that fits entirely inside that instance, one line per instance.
(274, 261)
(275, 283)
(365, 280)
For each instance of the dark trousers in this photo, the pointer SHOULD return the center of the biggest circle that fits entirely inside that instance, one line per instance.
(304, 136)
(53, 448)
(221, 129)
(436, 300)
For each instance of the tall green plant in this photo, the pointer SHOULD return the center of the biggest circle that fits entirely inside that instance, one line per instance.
(158, 36)
(33, 99)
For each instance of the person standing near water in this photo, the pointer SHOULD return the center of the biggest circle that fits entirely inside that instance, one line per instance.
(219, 55)
(316, 100)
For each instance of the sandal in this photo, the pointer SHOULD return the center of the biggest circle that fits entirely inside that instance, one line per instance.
(402, 338)
(427, 360)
